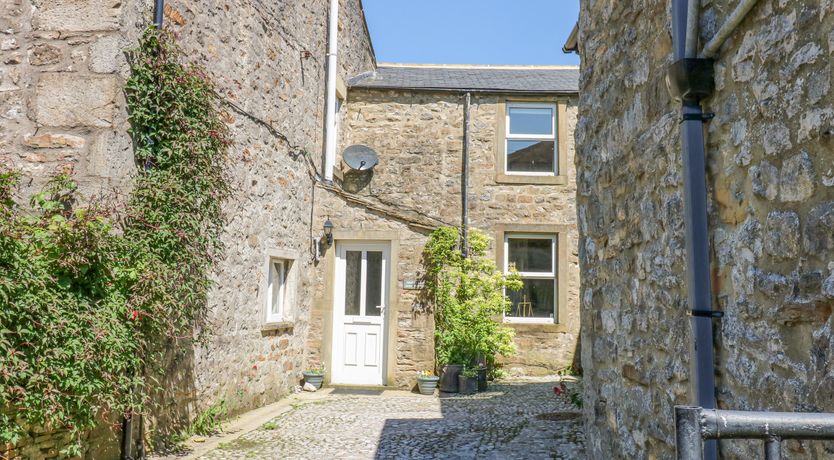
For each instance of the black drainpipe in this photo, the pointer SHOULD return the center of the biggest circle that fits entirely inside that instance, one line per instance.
(691, 80)
(464, 180)
(158, 13)
(127, 451)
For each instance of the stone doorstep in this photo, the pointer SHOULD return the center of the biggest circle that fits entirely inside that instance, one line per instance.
(244, 423)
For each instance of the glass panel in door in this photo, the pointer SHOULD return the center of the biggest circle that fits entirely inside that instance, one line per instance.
(373, 284)
(353, 282)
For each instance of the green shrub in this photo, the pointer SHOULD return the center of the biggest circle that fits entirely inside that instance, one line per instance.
(67, 352)
(468, 297)
(208, 421)
(89, 295)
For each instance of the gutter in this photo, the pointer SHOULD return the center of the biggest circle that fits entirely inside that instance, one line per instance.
(572, 43)
(330, 109)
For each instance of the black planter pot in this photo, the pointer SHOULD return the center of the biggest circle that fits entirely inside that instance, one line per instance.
(482, 379)
(449, 378)
(467, 385)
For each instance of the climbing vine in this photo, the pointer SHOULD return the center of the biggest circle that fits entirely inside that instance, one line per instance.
(468, 297)
(173, 218)
(89, 292)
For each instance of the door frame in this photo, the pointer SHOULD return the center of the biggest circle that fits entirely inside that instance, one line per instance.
(325, 305)
(339, 316)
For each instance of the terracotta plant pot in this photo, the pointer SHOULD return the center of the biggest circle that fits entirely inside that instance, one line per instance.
(314, 379)
(449, 378)
(427, 385)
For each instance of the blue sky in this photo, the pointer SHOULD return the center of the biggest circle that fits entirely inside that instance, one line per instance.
(471, 31)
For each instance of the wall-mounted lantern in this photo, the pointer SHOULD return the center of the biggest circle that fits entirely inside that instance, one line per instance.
(328, 231)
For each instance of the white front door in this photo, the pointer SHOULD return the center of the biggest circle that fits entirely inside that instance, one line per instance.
(359, 310)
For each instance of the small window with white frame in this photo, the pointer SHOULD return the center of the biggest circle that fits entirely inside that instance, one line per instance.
(278, 290)
(531, 147)
(534, 256)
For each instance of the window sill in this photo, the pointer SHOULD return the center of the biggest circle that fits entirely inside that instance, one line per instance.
(536, 327)
(277, 326)
(501, 178)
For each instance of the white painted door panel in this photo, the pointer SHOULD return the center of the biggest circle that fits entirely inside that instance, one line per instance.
(359, 310)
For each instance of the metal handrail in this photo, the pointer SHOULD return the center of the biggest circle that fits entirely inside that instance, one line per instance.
(695, 424)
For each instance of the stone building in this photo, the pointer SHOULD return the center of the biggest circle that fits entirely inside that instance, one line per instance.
(413, 116)
(62, 71)
(771, 205)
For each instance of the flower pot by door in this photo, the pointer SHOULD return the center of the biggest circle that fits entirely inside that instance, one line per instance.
(427, 385)
(467, 385)
(314, 379)
(449, 378)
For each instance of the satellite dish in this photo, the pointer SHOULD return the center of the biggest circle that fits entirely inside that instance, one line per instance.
(360, 157)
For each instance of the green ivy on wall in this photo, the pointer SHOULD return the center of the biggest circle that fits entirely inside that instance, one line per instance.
(88, 292)
(468, 297)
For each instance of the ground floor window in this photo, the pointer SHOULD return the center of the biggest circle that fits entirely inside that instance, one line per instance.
(276, 290)
(534, 256)
(281, 283)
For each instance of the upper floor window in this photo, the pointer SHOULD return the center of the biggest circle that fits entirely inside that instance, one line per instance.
(531, 147)
(534, 256)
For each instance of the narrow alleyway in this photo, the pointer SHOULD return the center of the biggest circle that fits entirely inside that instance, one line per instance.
(513, 420)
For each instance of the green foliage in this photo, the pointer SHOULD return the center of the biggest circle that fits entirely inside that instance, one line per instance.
(208, 421)
(66, 346)
(469, 372)
(174, 214)
(270, 425)
(469, 300)
(88, 294)
(568, 371)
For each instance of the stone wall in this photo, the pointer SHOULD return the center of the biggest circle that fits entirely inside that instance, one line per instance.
(61, 105)
(61, 75)
(269, 59)
(771, 208)
(419, 138)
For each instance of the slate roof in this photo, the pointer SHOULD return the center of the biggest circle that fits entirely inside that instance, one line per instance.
(503, 79)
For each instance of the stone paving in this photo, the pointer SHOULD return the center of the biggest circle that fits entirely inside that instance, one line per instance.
(513, 420)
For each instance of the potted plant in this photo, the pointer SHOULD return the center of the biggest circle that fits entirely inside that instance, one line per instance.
(468, 381)
(468, 294)
(314, 375)
(427, 382)
(482, 378)
(449, 377)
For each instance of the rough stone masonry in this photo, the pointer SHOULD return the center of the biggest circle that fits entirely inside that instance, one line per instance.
(62, 69)
(771, 221)
(419, 137)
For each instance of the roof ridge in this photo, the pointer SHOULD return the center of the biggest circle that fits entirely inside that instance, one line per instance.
(480, 66)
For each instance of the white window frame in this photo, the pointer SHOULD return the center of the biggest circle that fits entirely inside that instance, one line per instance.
(554, 136)
(280, 273)
(553, 274)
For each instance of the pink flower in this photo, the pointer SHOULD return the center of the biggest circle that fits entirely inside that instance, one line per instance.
(557, 391)
(134, 315)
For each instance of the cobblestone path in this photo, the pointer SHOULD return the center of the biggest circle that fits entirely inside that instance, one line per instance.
(510, 421)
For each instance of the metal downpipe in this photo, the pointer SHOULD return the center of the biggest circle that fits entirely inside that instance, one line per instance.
(330, 107)
(159, 13)
(699, 290)
(464, 179)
